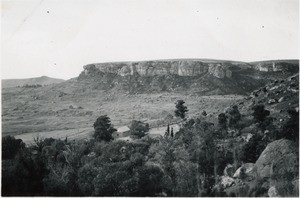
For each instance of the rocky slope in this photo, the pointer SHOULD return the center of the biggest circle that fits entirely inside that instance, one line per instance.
(275, 173)
(277, 96)
(43, 80)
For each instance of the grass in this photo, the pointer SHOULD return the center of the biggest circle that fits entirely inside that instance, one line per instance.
(45, 110)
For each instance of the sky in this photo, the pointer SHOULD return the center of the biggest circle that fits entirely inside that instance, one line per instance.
(57, 38)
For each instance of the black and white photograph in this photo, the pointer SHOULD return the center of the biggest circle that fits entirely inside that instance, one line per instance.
(150, 98)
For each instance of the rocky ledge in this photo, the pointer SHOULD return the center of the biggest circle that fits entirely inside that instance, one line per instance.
(161, 68)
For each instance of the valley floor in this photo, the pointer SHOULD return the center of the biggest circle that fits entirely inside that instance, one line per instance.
(45, 112)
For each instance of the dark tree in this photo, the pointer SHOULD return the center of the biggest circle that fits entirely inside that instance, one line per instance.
(172, 133)
(290, 129)
(167, 133)
(251, 151)
(103, 129)
(11, 146)
(234, 116)
(138, 128)
(222, 120)
(204, 113)
(259, 113)
(181, 109)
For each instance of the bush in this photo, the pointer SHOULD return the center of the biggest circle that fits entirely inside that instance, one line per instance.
(11, 146)
(290, 129)
(138, 128)
(252, 149)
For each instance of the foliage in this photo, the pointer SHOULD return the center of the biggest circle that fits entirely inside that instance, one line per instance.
(187, 163)
(103, 129)
(260, 113)
(234, 116)
(138, 128)
(167, 133)
(222, 120)
(11, 146)
(24, 175)
(290, 129)
(251, 151)
(181, 109)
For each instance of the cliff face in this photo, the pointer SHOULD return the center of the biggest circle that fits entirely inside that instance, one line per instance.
(275, 66)
(162, 68)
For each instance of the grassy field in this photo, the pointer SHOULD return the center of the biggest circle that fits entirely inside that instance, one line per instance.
(65, 110)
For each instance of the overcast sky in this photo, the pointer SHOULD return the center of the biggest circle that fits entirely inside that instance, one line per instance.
(57, 37)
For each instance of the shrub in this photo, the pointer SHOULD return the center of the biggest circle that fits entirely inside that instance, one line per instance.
(11, 146)
(138, 128)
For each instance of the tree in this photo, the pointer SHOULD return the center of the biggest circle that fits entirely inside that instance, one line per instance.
(103, 129)
(138, 128)
(181, 109)
(222, 120)
(290, 129)
(172, 132)
(234, 116)
(251, 151)
(167, 133)
(11, 146)
(259, 113)
(204, 113)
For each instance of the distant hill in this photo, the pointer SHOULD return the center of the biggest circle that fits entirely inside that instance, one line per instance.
(43, 80)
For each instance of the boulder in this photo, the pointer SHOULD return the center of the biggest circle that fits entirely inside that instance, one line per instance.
(281, 99)
(271, 101)
(226, 181)
(278, 158)
(248, 167)
(273, 192)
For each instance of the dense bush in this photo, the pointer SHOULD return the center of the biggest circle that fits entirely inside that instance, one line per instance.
(290, 129)
(11, 146)
(138, 128)
(251, 150)
(187, 163)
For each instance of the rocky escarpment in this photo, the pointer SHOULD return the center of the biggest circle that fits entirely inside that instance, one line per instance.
(161, 68)
(277, 66)
(201, 76)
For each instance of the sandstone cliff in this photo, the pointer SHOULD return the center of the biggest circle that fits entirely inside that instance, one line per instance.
(161, 68)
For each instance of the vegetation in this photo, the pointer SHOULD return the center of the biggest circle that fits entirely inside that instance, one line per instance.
(189, 162)
(138, 128)
(181, 109)
(290, 129)
(103, 129)
(11, 146)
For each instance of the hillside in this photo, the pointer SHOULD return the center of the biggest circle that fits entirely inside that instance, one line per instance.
(43, 80)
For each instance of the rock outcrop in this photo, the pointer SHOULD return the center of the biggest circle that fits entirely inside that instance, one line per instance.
(161, 68)
(275, 66)
(248, 171)
(280, 157)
